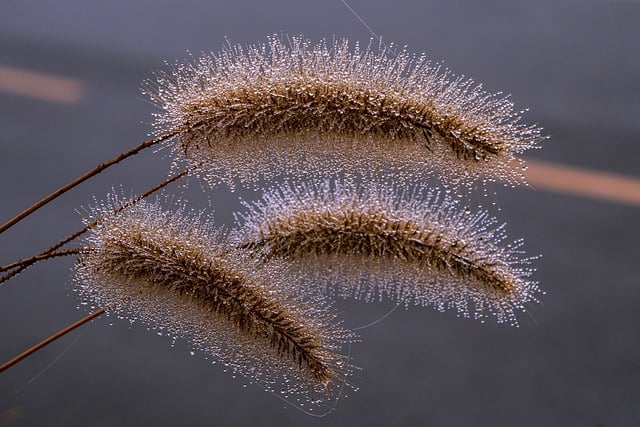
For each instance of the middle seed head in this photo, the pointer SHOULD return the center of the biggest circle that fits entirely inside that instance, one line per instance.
(373, 242)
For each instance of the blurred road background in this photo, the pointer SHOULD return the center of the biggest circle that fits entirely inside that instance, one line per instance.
(70, 74)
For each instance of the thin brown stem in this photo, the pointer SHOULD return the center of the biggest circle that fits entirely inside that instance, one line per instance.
(80, 179)
(23, 264)
(55, 254)
(40, 257)
(52, 338)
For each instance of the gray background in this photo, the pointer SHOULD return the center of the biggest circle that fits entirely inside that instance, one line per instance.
(574, 361)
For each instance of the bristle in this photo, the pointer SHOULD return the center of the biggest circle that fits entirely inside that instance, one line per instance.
(312, 110)
(374, 242)
(178, 276)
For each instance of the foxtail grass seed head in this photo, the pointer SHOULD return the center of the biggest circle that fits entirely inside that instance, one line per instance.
(173, 272)
(375, 241)
(311, 110)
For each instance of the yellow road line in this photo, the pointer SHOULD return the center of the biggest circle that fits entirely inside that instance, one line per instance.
(583, 182)
(41, 85)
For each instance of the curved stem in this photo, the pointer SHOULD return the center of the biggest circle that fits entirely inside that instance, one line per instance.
(54, 254)
(25, 263)
(80, 179)
(52, 338)
(22, 264)
(51, 253)
(40, 257)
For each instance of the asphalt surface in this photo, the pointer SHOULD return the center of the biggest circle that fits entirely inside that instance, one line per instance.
(574, 361)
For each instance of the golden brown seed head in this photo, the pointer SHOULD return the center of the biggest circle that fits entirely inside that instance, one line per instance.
(373, 242)
(178, 276)
(306, 109)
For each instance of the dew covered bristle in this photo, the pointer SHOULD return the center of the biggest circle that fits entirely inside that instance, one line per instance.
(178, 275)
(413, 246)
(309, 110)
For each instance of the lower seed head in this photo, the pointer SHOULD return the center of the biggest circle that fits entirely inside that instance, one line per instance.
(166, 270)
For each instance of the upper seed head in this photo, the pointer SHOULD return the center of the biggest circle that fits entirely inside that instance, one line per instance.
(313, 110)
